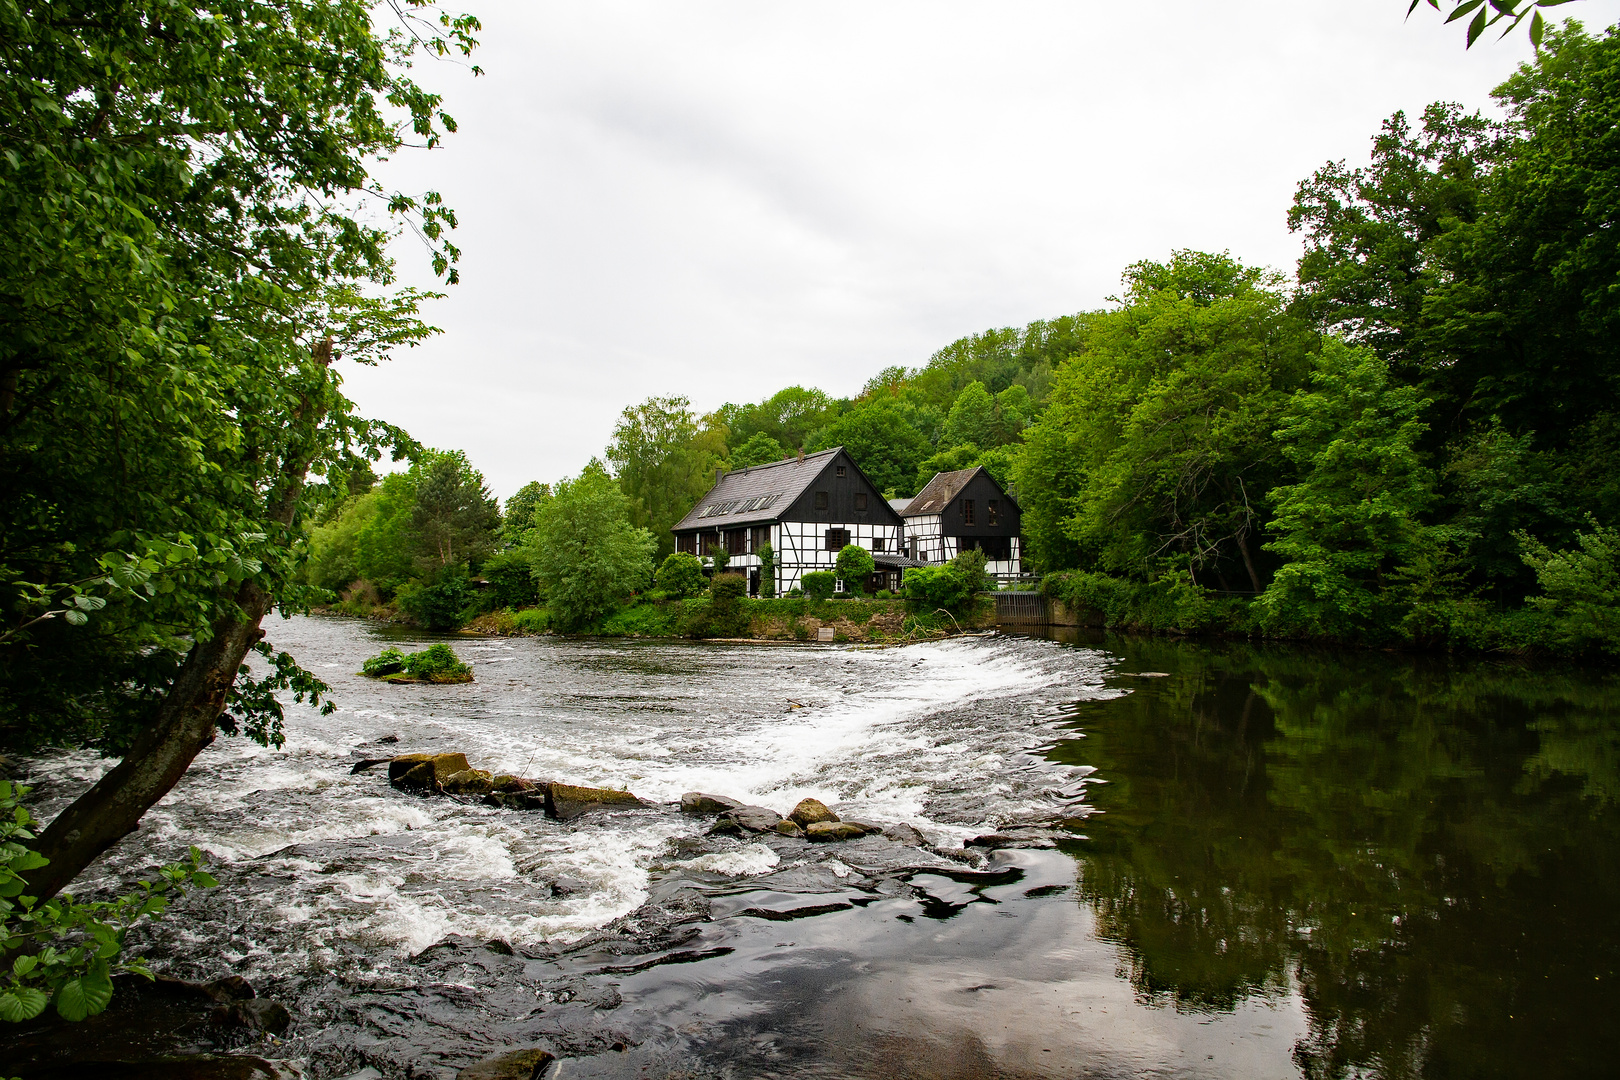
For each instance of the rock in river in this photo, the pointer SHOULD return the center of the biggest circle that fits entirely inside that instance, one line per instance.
(425, 772)
(837, 830)
(748, 819)
(565, 802)
(810, 811)
(696, 802)
(469, 782)
(516, 1065)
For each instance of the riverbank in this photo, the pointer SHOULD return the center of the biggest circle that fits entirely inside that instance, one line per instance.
(783, 619)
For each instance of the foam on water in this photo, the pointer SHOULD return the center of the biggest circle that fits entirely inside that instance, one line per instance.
(942, 735)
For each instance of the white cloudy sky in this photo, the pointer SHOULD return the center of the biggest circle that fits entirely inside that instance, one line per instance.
(722, 198)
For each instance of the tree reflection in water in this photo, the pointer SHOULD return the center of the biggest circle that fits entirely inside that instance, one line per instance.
(1426, 848)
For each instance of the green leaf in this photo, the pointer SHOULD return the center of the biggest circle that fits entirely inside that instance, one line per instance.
(204, 880)
(76, 617)
(1537, 25)
(28, 860)
(85, 996)
(1464, 9)
(1476, 27)
(22, 1003)
(23, 965)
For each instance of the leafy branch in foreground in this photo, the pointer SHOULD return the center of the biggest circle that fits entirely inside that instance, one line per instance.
(62, 950)
(1487, 13)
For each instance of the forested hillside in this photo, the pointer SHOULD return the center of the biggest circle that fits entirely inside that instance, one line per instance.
(1411, 439)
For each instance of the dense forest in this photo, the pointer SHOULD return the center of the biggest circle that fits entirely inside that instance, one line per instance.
(1411, 439)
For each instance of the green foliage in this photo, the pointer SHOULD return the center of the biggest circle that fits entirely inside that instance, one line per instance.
(767, 571)
(723, 614)
(787, 417)
(881, 438)
(455, 521)
(644, 620)
(438, 663)
(63, 951)
(333, 547)
(588, 557)
(950, 587)
(1171, 603)
(818, 584)
(760, 449)
(854, 566)
(1580, 591)
(972, 418)
(520, 510)
(511, 579)
(1487, 13)
(680, 575)
(719, 558)
(1355, 516)
(184, 235)
(665, 460)
(441, 603)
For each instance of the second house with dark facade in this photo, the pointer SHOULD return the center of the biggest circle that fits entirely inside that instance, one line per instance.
(807, 508)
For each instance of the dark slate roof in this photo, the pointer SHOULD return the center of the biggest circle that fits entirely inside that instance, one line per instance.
(934, 498)
(757, 494)
(890, 560)
(899, 505)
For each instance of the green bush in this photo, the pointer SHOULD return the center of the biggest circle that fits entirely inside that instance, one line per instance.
(767, 571)
(437, 663)
(1579, 603)
(644, 620)
(722, 614)
(511, 580)
(795, 592)
(951, 586)
(854, 566)
(440, 605)
(387, 662)
(728, 588)
(819, 583)
(680, 575)
(882, 594)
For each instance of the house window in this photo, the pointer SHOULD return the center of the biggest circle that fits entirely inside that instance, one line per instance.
(967, 511)
(880, 544)
(837, 539)
(990, 511)
(736, 541)
(687, 543)
(761, 537)
(841, 471)
(860, 500)
(821, 500)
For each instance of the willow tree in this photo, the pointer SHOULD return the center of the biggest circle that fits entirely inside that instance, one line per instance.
(185, 257)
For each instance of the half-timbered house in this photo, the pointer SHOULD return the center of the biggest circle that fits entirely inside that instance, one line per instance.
(807, 508)
(961, 511)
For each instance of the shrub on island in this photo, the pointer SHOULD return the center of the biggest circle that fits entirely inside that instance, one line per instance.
(435, 664)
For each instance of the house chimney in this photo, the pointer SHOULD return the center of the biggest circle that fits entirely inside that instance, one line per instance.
(719, 473)
(801, 455)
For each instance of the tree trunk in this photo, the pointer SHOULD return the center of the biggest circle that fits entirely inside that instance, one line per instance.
(188, 717)
(1248, 562)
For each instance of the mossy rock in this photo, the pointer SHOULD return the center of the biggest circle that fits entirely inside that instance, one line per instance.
(568, 801)
(425, 772)
(469, 782)
(811, 811)
(823, 831)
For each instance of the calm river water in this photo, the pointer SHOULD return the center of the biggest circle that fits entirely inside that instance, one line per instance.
(1270, 863)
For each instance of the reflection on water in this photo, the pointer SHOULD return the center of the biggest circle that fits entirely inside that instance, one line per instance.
(1273, 863)
(1427, 849)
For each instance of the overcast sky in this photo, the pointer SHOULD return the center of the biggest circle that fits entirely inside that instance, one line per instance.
(721, 199)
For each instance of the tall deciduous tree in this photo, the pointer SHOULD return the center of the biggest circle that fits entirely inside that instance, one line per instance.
(588, 557)
(665, 460)
(183, 259)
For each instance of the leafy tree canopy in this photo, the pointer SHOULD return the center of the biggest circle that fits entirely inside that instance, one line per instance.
(588, 557)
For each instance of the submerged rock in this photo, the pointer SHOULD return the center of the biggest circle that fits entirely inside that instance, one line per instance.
(517, 799)
(425, 772)
(810, 811)
(565, 802)
(748, 819)
(469, 782)
(789, 827)
(696, 802)
(514, 1065)
(905, 834)
(822, 831)
(256, 1014)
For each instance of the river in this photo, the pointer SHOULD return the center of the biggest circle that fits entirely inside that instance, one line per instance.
(1267, 863)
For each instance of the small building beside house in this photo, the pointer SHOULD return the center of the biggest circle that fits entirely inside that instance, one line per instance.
(961, 511)
(807, 508)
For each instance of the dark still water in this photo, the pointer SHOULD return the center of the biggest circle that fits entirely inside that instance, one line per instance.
(1267, 863)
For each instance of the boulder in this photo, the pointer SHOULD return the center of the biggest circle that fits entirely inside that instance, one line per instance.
(905, 834)
(696, 802)
(789, 827)
(425, 772)
(513, 1065)
(505, 782)
(748, 819)
(366, 763)
(567, 801)
(810, 811)
(255, 1014)
(533, 799)
(823, 831)
(469, 782)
